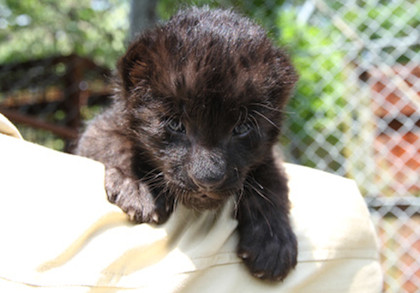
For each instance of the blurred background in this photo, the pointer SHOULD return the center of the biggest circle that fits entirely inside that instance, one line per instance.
(355, 111)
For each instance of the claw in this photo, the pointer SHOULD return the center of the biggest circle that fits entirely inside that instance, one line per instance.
(131, 215)
(113, 197)
(243, 255)
(155, 218)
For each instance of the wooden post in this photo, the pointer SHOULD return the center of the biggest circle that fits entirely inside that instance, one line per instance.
(72, 94)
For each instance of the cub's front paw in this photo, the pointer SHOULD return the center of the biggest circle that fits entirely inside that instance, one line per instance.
(135, 198)
(268, 254)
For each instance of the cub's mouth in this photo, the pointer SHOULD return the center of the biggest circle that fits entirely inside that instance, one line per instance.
(198, 199)
(206, 200)
(213, 196)
(202, 201)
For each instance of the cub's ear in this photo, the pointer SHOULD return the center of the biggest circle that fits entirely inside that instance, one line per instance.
(134, 66)
(284, 77)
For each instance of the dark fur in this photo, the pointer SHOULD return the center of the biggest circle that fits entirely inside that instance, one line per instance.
(194, 122)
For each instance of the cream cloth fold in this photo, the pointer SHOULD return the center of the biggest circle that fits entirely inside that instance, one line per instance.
(59, 234)
(6, 127)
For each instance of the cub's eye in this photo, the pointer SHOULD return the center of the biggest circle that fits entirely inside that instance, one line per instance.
(175, 125)
(242, 129)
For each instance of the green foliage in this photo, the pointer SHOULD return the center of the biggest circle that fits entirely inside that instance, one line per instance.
(41, 137)
(386, 21)
(320, 92)
(34, 29)
(97, 28)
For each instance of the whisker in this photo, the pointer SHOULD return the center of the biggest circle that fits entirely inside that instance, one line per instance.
(262, 212)
(248, 184)
(266, 106)
(150, 177)
(256, 182)
(266, 119)
(237, 200)
(255, 122)
(267, 222)
(243, 114)
(161, 193)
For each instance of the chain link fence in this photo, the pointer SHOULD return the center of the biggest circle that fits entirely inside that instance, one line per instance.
(356, 110)
(360, 69)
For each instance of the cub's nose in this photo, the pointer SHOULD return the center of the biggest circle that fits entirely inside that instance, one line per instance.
(207, 168)
(208, 182)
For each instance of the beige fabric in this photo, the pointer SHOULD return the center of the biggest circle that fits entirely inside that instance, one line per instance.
(59, 234)
(6, 127)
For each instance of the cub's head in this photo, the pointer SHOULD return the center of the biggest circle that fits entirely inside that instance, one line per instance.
(203, 96)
